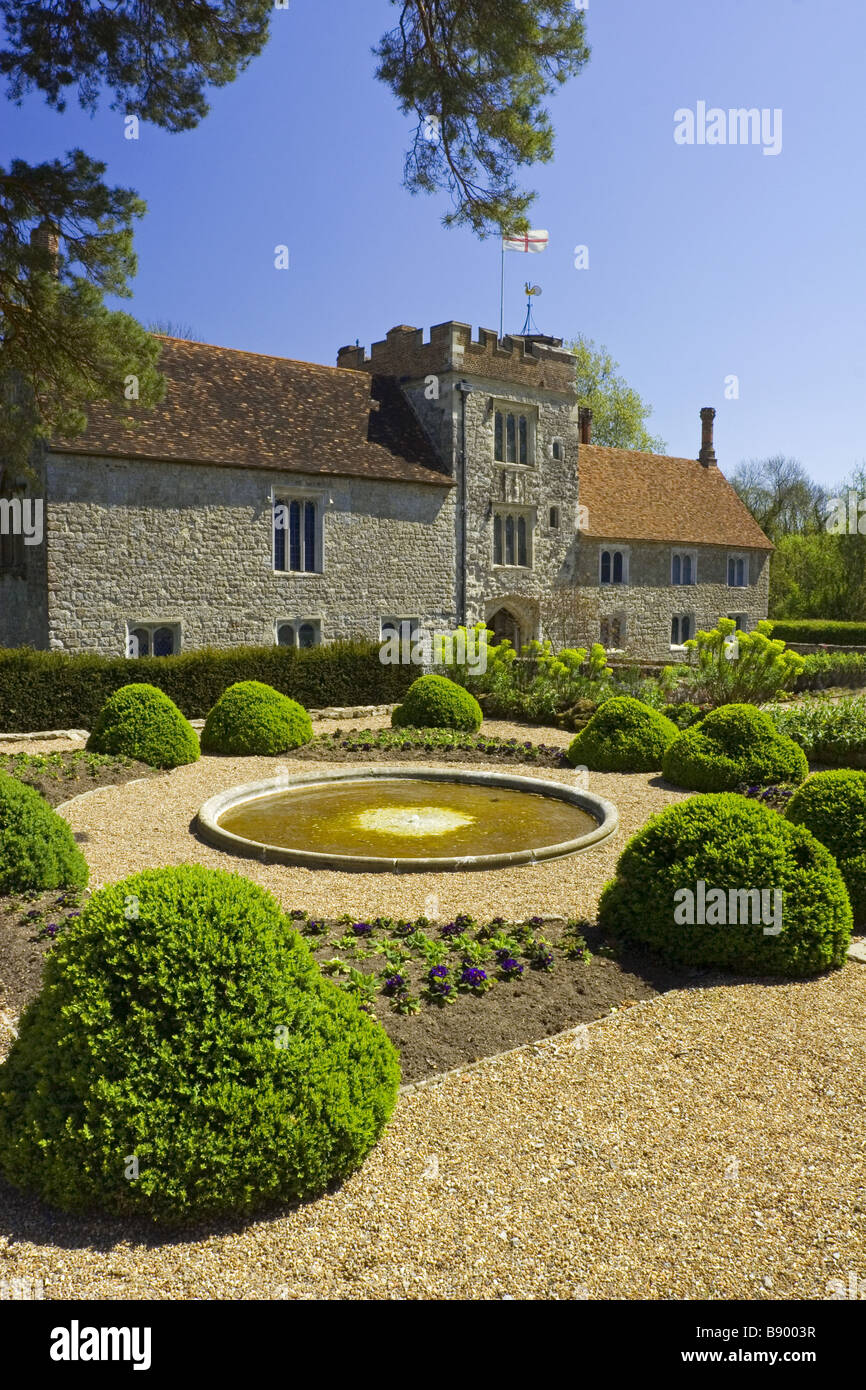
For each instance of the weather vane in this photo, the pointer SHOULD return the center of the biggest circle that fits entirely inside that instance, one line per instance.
(530, 291)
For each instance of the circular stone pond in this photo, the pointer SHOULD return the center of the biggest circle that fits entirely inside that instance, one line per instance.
(398, 821)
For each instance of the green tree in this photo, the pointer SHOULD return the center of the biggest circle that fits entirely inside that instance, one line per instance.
(619, 415)
(156, 56)
(475, 74)
(60, 347)
(781, 496)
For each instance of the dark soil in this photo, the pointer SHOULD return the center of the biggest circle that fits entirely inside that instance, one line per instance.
(23, 941)
(512, 1012)
(332, 753)
(60, 776)
(436, 1039)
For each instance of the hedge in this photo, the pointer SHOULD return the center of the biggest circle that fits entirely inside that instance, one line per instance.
(61, 690)
(820, 630)
(825, 669)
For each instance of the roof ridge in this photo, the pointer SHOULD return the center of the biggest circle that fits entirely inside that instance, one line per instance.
(266, 356)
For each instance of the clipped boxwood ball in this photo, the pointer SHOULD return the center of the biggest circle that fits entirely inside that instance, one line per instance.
(721, 881)
(833, 806)
(183, 1023)
(141, 722)
(624, 735)
(252, 718)
(734, 744)
(37, 847)
(434, 702)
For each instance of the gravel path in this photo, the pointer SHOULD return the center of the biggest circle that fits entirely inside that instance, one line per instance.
(708, 1144)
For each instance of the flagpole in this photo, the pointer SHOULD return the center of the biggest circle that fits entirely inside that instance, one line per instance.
(502, 288)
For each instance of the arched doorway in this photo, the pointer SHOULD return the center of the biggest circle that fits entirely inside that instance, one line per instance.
(505, 626)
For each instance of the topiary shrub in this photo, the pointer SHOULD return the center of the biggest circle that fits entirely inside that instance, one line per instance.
(624, 735)
(434, 702)
(252, 718)
(772, 899)
(183, 1021)
(144, 723)
(833, 806)
(37, 847)
(734, 744)
(684, 714)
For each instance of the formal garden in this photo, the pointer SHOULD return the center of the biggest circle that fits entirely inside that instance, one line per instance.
(198, 1036)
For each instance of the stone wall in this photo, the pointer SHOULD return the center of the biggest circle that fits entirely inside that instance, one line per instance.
(649, 600)
(134, 542)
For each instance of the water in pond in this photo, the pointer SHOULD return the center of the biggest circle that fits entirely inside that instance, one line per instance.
(408, 819)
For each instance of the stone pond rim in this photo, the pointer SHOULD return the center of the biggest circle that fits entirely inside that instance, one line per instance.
(207, 821)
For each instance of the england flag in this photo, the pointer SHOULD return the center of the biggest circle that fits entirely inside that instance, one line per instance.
(525, 241)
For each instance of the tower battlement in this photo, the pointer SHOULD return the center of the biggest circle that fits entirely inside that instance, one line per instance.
(528, 359)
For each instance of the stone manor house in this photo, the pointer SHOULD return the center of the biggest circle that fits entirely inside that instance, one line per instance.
(435, 483)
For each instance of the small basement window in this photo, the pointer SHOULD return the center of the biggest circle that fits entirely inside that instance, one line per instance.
(299, 632)
(152, 639)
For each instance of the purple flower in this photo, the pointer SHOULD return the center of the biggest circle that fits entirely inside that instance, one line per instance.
(394, 984)
(473, 976)
(536, 921)
(437, 982)
(362, 928)
(73, 914)
(509, 966)
(33, 913)
(450, 929)
(51, 929)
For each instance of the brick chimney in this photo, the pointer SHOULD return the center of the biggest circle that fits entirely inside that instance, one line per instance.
(45, 238)
(584, 424)
(707, 456)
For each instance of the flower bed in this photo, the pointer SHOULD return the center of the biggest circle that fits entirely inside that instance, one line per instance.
(60, 776)
(446, 994)
(449, 745)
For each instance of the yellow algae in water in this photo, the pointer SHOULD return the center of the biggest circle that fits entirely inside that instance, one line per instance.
(411, 820)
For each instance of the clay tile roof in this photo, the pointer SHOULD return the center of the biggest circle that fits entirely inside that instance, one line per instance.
(245, 410)
(650, 497)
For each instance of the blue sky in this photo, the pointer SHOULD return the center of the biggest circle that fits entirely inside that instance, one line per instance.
(704, 261)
